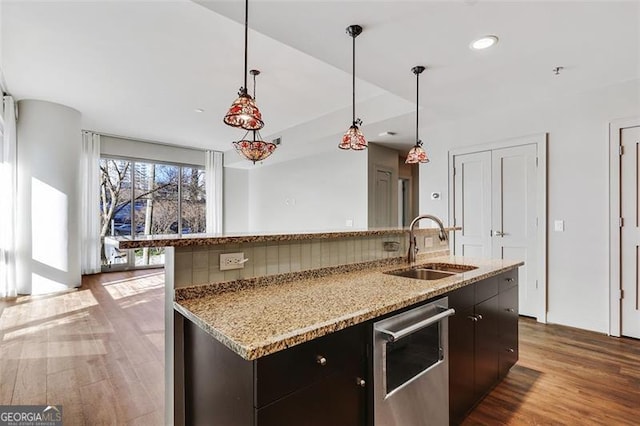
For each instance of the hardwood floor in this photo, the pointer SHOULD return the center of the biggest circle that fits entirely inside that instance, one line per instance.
(566, 376)
(98, 351)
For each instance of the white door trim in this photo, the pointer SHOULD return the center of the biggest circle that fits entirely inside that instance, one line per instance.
(615, 128)
(540, 140)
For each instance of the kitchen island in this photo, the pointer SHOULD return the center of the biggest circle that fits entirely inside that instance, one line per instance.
(331, 284)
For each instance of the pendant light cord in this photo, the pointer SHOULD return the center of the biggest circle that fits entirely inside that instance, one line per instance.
(417, 105)
(254, 83)
(353, 83)
(246, 42)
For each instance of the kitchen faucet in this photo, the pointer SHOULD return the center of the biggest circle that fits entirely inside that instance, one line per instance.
(413, 246)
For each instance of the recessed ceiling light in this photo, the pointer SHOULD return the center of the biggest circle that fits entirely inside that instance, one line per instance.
(484, 42)
(198, 110)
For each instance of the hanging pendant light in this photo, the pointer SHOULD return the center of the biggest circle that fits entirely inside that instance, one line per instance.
(353, 137)
(417, 154)
(256, 149)
(244, 112)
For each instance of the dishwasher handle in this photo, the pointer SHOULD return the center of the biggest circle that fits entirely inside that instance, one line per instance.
(392, 336)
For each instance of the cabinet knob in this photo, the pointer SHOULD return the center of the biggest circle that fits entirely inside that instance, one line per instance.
(509, 280)
(321, 360)
(510, 350)
(360, 382)
(479, 316)
(510, 310)
(472, 318)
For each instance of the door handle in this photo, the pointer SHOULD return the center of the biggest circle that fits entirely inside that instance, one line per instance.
(392, 336)
(500, 234)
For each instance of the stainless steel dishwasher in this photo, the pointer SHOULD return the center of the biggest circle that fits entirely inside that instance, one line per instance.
(411, 367)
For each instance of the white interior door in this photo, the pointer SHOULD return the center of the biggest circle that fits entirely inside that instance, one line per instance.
(472, 204)
(514, 218)
(630, 232)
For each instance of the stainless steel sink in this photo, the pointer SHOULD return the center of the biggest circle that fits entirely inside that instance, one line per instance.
(421, 274)
(448, 267)
(432, 271)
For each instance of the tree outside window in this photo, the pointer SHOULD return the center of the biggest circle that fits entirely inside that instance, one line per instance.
(143, 198)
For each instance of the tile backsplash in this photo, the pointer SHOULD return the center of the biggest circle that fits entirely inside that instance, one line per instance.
(201, 264)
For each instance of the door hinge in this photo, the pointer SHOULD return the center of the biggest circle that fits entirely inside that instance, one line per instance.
(536, 284)
(454, 221)
(454, 171)
(620, 150)
(621, 222)
(536, 161)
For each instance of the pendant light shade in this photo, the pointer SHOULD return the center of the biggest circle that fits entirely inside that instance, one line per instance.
(353, 137)
(417, 154)
(244, 112)
(256, 149)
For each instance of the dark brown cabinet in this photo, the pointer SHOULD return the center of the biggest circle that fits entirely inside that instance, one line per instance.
(483, 340)
(320, 382)
(508, 326)
(327, 381)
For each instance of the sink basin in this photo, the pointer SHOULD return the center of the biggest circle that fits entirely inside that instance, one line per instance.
(432, 271)
(421, 274)
(448, 267)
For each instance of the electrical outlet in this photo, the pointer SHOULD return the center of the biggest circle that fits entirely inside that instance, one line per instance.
(232, 261)
(428, 242)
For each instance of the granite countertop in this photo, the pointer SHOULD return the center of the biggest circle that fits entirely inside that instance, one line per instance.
(174, 240)
(260, 320)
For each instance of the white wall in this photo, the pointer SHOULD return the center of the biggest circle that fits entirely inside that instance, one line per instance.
(578, 188)
(236, 200)
(48, 234)
(319, 192)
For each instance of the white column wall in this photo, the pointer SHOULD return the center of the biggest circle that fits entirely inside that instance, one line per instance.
(48, 234)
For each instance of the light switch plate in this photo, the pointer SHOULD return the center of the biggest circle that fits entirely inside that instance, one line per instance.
(232, 261)
(558, 225)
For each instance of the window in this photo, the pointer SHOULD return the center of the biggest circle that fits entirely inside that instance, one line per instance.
(144, 198)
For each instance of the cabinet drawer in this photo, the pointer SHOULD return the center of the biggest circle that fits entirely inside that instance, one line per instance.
(284, 372)
(462, 298)
(333, 400)
(486, 289)
(507, 279)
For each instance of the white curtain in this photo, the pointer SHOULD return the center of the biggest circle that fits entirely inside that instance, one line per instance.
(8, 189)
(90, 203)
(213, 175)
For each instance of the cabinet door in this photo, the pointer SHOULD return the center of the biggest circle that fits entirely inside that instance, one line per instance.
(461, 354)
(508, 329)
(335, 400)
(486, 346)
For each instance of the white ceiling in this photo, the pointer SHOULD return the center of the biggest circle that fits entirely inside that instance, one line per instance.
(140, 68)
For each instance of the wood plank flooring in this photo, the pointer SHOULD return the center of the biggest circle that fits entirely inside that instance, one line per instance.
(99, 352)
(566, 376)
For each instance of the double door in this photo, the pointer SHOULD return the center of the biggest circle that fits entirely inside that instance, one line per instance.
(495, 197)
